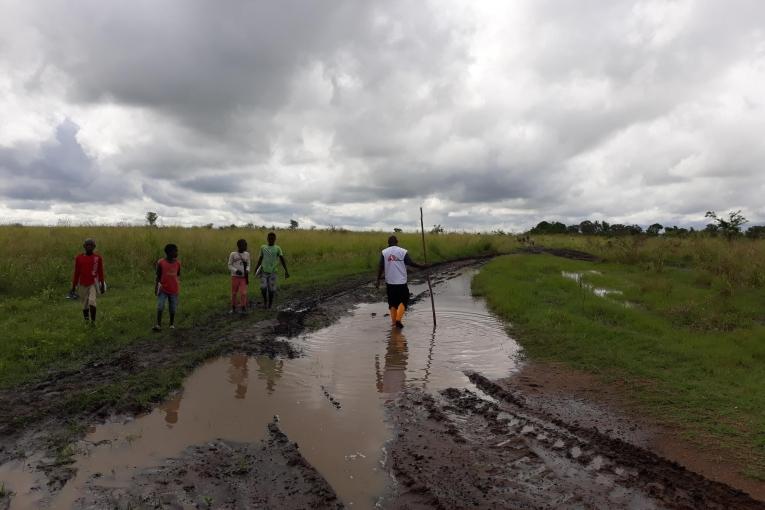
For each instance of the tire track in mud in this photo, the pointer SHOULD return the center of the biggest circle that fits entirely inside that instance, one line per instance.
(457, 449)
(51, 413)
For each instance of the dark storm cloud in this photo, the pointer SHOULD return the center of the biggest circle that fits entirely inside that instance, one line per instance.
(495, 114)
(59, 170)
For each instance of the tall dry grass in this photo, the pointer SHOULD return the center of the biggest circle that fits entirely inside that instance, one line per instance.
(39, 260)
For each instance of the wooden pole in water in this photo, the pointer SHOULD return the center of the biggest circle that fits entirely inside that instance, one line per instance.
(425, 256)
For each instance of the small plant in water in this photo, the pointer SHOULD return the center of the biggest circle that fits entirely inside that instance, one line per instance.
(208, 501)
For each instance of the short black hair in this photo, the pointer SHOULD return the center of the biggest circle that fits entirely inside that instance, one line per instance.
(170, 248)
(392, 241)
(271, 234)
(241, 242)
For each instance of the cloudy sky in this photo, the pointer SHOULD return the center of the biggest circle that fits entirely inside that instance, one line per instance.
(355, 113)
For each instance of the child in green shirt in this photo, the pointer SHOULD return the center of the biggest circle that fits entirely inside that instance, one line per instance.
(270, 255)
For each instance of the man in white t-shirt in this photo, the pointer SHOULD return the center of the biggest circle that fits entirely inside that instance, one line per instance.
(393, 262)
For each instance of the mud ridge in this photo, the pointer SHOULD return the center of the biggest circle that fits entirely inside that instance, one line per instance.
(223, 474)
(560, 252)
(53, 412)
(457, 449)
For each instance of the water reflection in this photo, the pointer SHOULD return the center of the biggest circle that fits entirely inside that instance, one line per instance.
(238, 374)
(358, 361)
(391, 378)
(270, 370)
(171, 408)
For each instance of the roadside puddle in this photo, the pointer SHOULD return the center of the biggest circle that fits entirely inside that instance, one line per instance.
(598, 291)
(330, 401)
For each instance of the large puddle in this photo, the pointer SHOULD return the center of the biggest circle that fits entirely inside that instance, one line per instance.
(331, 401)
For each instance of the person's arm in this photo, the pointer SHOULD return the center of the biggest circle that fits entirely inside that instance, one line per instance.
(102, 288)
(284, 265)
(157, 279)
(76, 275)
(409, 262)
(260, 259)
(231, 266)
(380, 270)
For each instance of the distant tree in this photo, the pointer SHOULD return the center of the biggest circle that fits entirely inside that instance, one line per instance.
(712, 229)
(587, 228)
(654, 229)
(545, 227)
(755, 232)
(293, 225)
(617, 229)
(572, 229)
(675, 231)
(437, 229)
(397, 230)
(558, 228)
(151, 218)
(730, 227)
(208, 225)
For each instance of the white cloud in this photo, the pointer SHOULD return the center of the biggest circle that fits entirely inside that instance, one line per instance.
(492, 114)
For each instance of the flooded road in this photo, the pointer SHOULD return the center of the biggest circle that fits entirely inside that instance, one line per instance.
(331, 401)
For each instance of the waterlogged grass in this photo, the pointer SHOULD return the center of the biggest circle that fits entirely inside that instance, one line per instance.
(693, 352)
(729, 264)
(42, 330)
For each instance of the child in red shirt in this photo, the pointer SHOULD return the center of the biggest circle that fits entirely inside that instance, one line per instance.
(167, 284)
(88, 277)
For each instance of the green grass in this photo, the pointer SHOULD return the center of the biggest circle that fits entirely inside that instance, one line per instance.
(731, 264)
(43, 331)
(693, 351)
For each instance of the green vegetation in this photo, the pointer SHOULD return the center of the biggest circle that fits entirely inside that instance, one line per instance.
(686, 328)
(42, 330)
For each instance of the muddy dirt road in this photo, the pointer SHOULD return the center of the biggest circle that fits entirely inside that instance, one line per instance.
(326, 406)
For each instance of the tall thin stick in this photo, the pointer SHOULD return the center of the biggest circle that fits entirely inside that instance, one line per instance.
(425, 256)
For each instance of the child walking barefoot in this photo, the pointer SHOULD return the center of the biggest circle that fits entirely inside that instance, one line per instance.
(167, 285)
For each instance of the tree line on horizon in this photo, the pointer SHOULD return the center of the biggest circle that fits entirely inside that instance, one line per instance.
(729, 226)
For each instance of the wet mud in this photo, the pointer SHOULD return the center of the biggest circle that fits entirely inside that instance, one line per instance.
(583, 400)
(325, 405)
(560, 252)
(222, 474)
(457, 449)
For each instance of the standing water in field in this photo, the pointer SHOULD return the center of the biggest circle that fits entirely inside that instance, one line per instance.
(331, 401)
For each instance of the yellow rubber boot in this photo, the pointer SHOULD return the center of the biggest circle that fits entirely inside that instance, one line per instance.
(393, 316)
(400, 312)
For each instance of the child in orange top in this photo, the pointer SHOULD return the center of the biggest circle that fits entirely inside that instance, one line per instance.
(167, 284)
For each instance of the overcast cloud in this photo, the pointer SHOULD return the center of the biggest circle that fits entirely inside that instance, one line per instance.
(355, 113)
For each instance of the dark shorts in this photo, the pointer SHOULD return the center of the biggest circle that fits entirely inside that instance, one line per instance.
(397, 294)
(172, 300)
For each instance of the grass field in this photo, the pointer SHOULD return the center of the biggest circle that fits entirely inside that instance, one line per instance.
(686, 335)
(42, 330)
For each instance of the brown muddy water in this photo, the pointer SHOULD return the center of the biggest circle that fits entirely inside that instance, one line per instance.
(331, 401)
